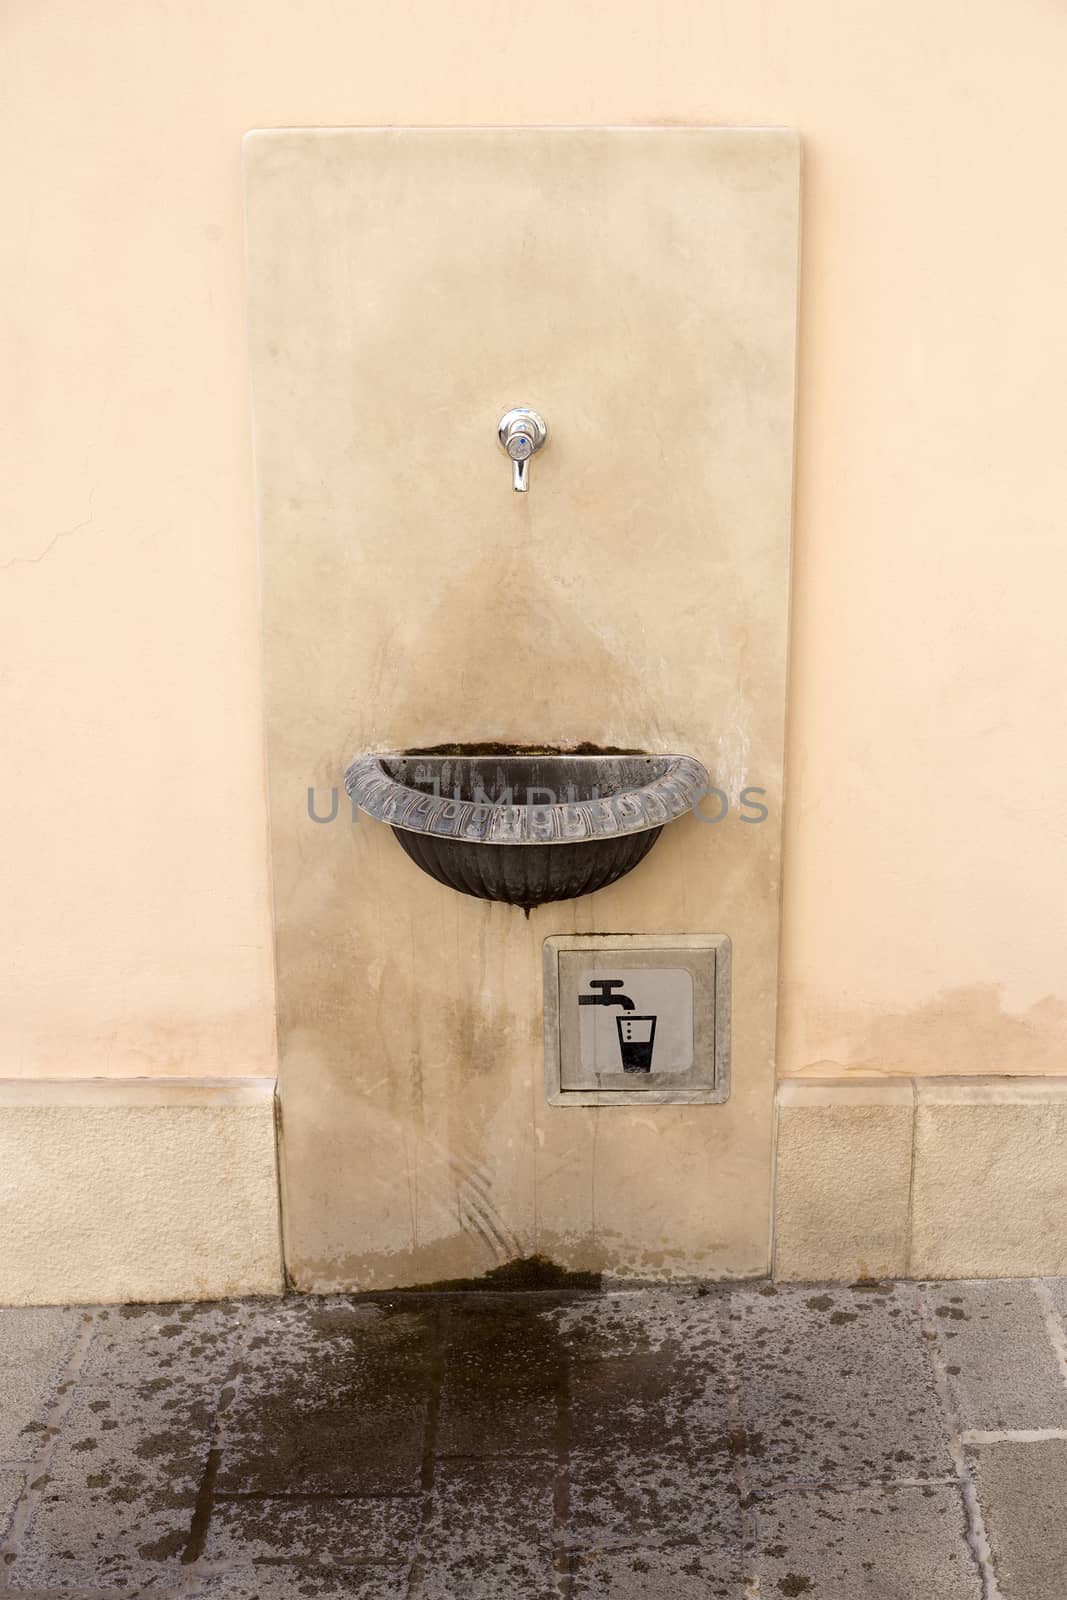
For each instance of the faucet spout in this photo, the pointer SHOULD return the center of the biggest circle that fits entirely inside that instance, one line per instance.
(522, 433)
(605, 997)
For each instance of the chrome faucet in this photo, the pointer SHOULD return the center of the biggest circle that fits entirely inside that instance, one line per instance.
(521, 432)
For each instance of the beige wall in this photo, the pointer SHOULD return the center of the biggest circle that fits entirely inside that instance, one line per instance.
(925, 846)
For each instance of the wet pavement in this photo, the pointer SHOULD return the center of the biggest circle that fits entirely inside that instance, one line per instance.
(863, 1442)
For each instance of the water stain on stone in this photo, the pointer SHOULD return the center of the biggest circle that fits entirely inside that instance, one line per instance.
(524, 1273)
(163, 1549)
(739, 1442)
(795, 1583)
(156, 1446)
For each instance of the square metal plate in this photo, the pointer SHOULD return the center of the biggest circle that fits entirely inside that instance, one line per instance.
(637, 1018)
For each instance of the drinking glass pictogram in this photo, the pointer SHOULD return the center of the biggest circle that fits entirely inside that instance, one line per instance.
(637, 1036)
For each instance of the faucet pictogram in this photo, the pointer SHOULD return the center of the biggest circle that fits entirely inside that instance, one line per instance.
(637, 1035)
(605, 997)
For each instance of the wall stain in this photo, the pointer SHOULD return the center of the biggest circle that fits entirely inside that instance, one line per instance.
(965, 1032)
(524, 1272)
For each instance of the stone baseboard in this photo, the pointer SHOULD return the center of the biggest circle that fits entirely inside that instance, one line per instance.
(137, 1189)
(921, 1178)
(142, 1189)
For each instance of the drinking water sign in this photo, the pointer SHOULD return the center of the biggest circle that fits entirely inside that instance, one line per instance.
(638, 1022)
(637, 1018)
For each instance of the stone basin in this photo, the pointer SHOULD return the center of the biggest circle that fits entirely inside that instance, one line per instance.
(525, 826)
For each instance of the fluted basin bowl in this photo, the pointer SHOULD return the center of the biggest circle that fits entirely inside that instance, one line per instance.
(526, 825)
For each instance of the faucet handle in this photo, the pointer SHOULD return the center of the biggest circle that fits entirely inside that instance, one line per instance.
(521, 432)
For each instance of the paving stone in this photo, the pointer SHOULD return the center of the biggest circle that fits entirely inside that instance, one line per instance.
(35, 1342)
(11, 1486)
(635, 1321)
(118, 1503)
(490, 1533)
(135, 1347)
(633, 1498)
(628, 1403)
(873, 1544)
(1057, 1288)
(331, 1530)
(662, 1394)
(686, 1573)
(836, 1386)
(504, 1375)
(661, 1387)
(707, 1382)
(652, 1422)
(116, 1507)
(1022, 1489)
(286, 1582)
(333, 1400)
(1001, 1365)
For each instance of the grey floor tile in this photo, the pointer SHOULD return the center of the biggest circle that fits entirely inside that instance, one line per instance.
(1002, 1368)
(613, 1324)
(1057, 1288)
(836, 1386)
(319, 1483)
(332, 1530)
(634, 1498)
(504, 1378)
(639, 1321)
(288, 1582)
(685, 1573)
(333, 1400)
(661, 1387)
(889, 1544)
(628, 1403)
(34, 1344)
(491, 1532)
(151, 1348)
(12, 1484)
(1023, 1492)
(711, 1388)
(652, 1426)
(117, 1504)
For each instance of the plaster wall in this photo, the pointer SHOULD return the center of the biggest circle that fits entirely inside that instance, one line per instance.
(925, 852)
